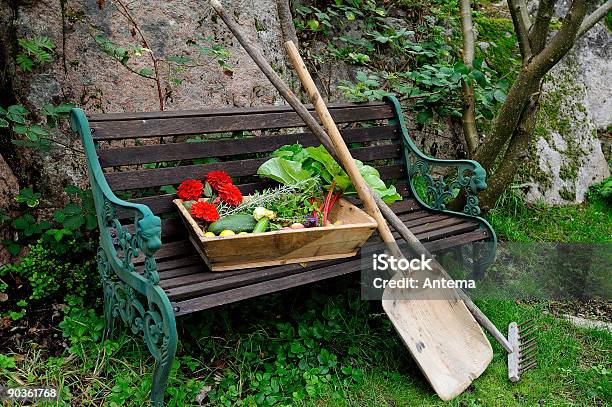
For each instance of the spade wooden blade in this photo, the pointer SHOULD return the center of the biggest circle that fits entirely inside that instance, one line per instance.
(442, 336)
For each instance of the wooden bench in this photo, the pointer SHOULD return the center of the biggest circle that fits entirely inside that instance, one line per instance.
(148, 284)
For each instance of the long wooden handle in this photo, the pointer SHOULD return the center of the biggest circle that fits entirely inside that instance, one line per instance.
(342, 152)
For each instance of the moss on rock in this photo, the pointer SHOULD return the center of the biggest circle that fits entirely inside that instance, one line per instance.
(563, 138)
(502, 52)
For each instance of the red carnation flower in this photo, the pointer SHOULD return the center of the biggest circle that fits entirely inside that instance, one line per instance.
(217, 179)
(190, 190)
(230, 194)
(205, 211)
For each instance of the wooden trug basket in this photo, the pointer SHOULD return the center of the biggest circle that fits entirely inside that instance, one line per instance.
(283, 246)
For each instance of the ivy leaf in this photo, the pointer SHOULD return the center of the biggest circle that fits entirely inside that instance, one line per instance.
(17, 109)
(64, 108)
(3, 123)
(208, 192)
(32, 136)
(20, 129)
(58, 234)
(72, 189)
(499, 95)
(488, 114)
(313, 24)
(15, 118)
(480, 78)
(462, 68)
(91, 222)
(13, 247)
(23, 222)
(179, 59)
(38, 130)
(168, 189)
(73, 222)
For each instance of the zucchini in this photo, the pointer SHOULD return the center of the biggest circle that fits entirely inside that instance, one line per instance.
(236, 223)
(262, 225)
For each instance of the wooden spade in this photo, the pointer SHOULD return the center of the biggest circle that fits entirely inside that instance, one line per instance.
(435, 325)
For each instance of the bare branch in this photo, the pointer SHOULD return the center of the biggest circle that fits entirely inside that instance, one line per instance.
(520, 28)
(125, 12)
(524, 14)
(540, 28)
(283, 8)
(594, 17)
(562, 42)
(470, 133)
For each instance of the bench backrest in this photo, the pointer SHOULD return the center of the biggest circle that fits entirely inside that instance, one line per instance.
(141, 152)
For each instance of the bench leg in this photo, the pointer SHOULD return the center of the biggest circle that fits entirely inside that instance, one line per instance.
(477, 266)
(161, 338)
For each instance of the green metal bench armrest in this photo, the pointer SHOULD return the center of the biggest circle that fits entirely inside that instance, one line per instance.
(146, 237)
(471, 177)
(153, 315)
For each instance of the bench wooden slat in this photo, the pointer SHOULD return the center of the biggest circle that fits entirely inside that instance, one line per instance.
(193, 275)
(129, 129)
(447, 231)
(220, 294)
(110, 157)
(204, 283)
(119, 181)
(410, 219)
(254, 290)
(457, 240)
(228, 111)
(166, 267)
(187, 284)
(198, 283)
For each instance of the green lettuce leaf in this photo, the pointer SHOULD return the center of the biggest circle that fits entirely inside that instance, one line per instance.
(284, 171)
(292, 163)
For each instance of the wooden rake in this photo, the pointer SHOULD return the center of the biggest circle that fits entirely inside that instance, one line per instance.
(440, 333)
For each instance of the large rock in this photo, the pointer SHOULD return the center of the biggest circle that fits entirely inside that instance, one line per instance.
(83, 73)
(577, 102)
(567, 155)
(9, 187)
(594, 58)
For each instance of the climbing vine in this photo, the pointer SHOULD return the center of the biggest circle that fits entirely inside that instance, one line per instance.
(165, 71)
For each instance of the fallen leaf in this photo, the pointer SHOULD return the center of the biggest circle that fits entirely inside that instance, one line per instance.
(3, 297)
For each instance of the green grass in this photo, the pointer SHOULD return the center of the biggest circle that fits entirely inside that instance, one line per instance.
(320, 347)
(515, 221)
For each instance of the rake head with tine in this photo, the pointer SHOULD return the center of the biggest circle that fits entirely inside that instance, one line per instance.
(523, 344)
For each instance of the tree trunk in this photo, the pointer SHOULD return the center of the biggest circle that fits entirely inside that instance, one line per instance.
(283, 8)
(525, 85)
(516, 121)
(515, 155)
(470, 133)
